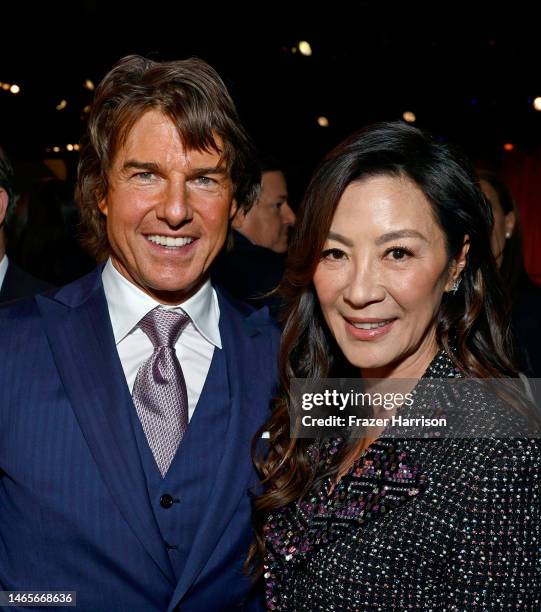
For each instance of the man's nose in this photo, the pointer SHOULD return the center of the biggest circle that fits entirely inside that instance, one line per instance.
(174, 207)
(288, 216)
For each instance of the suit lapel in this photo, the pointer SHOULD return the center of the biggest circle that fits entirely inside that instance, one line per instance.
(78, 327)
(240, 340)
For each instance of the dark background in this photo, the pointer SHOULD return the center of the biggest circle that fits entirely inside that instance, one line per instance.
(469, 72)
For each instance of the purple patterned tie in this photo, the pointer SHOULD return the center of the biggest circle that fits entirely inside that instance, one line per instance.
(159, 392)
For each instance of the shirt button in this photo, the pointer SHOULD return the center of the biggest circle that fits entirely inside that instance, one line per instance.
(166, 501)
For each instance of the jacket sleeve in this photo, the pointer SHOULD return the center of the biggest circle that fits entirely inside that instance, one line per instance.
(497, 554)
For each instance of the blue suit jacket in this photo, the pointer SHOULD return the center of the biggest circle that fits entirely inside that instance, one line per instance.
(75, 512)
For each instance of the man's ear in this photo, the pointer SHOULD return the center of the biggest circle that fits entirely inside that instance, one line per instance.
(102, 205)
(3, 205)
(458, 265)
(234, 209)
(238, 218)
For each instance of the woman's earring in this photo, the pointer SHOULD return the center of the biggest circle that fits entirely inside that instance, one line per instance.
(456, 285)
(508, 235)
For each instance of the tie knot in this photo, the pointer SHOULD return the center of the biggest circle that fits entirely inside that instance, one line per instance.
(163, 327)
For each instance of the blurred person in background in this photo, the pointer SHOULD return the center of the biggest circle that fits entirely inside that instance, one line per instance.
(48, 243)
(14, 282)
(253, 264)
(506, 242)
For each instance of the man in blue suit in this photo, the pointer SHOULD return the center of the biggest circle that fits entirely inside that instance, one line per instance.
(128, 399)
(14, 282)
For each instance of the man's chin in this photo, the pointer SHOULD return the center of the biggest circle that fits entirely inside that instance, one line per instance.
(281, 249)
(172, 292)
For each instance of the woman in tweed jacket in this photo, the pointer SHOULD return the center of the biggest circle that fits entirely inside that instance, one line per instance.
(390, 276)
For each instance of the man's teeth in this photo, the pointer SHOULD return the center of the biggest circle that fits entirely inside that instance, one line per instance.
(169, 241)
(371, 325)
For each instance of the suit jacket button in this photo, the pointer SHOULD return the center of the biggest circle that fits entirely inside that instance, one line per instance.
(166, 501)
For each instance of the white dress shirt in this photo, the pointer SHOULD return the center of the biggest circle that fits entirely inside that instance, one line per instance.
(3, 269)
(195, 347)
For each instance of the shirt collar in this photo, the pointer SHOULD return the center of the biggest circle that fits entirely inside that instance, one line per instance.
(128, 305)
(3, 269)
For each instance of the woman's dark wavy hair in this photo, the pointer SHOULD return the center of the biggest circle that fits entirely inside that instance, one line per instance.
(193, 96)
(472, 324)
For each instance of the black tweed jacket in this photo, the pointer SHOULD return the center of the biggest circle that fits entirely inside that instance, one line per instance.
(418, 524)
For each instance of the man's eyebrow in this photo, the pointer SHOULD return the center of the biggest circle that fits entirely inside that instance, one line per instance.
(134, 164)
(340, 238)
(396, 235)
(209, 170)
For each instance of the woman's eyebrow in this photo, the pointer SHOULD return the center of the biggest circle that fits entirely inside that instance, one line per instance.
(395, 235)
(338, 237)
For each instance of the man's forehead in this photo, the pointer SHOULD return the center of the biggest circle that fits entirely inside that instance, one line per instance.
(273, 182)
(157, 135)
(137, 153)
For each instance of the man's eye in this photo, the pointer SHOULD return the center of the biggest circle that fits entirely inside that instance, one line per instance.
(205, 181)
(333, 254)
(144, 176)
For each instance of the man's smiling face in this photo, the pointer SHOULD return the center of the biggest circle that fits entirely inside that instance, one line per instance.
(167, 208)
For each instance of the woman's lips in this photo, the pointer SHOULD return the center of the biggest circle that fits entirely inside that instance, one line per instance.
(383, 327)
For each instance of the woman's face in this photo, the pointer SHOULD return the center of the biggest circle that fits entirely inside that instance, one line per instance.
(503, 223)
(381, 277)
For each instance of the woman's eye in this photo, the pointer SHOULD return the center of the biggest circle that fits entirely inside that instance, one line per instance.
(332, 254)
(398, 253)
